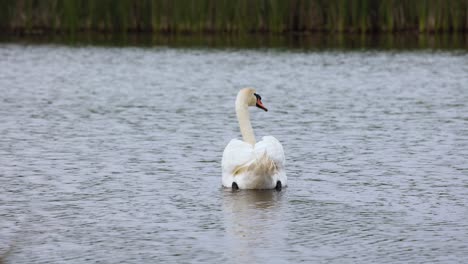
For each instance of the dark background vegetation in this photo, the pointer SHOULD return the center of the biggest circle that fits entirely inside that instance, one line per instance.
(233, 17)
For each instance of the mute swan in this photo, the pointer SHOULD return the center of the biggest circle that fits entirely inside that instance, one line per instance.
(249, 164)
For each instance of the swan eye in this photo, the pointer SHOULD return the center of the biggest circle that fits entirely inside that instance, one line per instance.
(258, 96)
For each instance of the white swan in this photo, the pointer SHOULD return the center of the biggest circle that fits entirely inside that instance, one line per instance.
(247, 164)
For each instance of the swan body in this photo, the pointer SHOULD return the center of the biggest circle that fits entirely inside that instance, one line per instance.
(247, 163)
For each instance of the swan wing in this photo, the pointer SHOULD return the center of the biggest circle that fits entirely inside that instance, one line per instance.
(237, 154)
(240, 160)
(273, 148)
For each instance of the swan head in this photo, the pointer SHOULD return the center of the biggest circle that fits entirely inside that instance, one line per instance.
(250, 97)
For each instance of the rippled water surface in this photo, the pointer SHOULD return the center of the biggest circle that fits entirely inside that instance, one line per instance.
(112, 155)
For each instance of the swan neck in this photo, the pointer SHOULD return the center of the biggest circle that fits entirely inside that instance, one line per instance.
(243, 117)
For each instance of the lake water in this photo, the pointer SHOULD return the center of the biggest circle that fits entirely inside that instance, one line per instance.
(113, 155)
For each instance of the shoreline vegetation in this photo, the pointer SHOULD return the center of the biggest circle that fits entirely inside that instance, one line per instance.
(316, 41)
(228, 17)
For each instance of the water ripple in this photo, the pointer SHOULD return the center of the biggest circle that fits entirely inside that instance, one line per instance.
(113, 155)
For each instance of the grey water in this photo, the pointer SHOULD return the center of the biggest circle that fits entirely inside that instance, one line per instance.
(113, 155)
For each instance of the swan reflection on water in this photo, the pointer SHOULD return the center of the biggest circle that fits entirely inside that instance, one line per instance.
(254, 221)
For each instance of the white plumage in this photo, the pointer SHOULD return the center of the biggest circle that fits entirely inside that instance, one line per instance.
(250, 164)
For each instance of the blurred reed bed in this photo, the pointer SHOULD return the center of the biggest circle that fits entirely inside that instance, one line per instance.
(233, 16)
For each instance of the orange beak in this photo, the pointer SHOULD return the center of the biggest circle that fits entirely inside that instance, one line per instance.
(260, 105)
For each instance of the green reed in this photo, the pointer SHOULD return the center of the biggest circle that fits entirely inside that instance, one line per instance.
(230, 16)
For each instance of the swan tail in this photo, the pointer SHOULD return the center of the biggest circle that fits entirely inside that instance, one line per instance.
(263, 166)
(260, 173)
